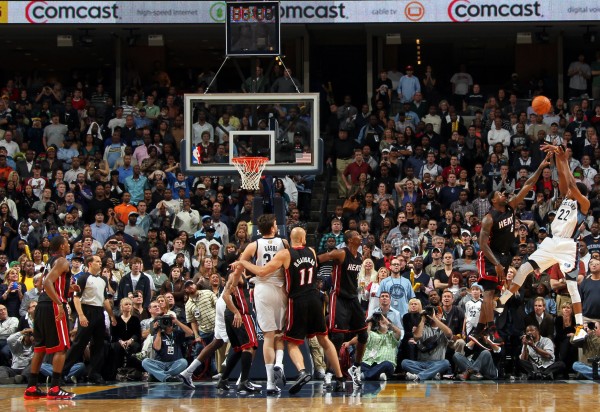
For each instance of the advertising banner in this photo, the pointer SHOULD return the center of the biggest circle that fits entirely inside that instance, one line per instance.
(305, 12)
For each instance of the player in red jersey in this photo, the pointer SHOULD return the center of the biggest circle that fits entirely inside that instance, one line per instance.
(50, 329)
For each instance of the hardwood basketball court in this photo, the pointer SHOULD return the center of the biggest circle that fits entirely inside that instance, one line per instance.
(385, 396)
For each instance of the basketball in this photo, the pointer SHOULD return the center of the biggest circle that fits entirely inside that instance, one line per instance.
(541, 105)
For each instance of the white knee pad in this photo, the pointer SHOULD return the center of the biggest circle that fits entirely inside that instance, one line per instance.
(573, 291)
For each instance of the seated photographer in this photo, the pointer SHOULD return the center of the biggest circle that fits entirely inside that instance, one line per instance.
(477, 362)
(167, 344)
(432, 337)
(21, 348)
(591, 351)
(537, 355)
(379, 360)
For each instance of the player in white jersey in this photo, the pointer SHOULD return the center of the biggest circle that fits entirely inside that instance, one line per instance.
(561, 248)
(270, 299)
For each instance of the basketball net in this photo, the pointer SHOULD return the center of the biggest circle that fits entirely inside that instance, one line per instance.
(250, 169)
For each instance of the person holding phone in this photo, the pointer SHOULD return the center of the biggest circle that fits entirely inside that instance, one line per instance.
(12, 292)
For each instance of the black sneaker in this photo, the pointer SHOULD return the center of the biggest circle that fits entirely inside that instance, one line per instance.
(494, 336)
(96, 379)
(187, 380)
(273, 392)
(279, 377)
(338, 385)
(33, 393)
(56, 392)
(303, 379)
(222, 385)
(173, 379)
(245, 388)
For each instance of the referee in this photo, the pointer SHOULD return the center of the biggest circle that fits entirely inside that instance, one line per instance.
(90, 304)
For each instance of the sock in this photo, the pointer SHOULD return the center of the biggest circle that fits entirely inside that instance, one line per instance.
(232, 360)
(579, 318)
(55, 379)
(279, 358)
(340, 378)
(193, 366)
(270, 376)
(246, 364)
(33, 379)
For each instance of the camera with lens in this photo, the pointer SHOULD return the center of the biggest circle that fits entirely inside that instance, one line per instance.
(591, 325)
(529, 336)
(428, 311)
(165, 322)
(375, 319)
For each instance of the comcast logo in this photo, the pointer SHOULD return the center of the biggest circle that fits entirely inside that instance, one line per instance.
(217, 12)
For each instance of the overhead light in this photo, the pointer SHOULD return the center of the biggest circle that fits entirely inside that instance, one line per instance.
(64, 40)
(156, 40)
(393, 38)
(524, 38)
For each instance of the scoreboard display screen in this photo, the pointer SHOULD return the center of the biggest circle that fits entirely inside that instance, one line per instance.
(252, 28)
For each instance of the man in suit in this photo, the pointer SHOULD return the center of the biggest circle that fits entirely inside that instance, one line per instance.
(542, 320)
(25, 166)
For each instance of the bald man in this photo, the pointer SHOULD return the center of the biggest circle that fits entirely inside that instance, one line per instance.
(307, 318)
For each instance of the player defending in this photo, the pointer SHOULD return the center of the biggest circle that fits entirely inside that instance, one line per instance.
(347, 316)
(50, 330)
(496, 239)
(241, 333)
(270, 299)
(561, 248)
(305, 314)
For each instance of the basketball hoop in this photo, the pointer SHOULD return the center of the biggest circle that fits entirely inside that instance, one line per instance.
(250, 169)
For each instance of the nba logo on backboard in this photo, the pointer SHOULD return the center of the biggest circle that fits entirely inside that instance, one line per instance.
(414, 11)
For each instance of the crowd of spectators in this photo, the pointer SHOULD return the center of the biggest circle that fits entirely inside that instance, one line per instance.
(414, 169)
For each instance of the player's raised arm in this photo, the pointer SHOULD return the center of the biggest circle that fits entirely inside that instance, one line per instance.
(573, 190)
(530, 183)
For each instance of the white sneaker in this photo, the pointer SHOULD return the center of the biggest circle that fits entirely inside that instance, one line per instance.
(580, 333)
(412, 377)
(383, 377)
(216, 377)
(327, 379)
(354, 373)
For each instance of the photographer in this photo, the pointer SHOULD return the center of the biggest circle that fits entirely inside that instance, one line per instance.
(432, 337)
(21, 348)
(169, 360)
(537, 355)
(379, 360)
(591, 351)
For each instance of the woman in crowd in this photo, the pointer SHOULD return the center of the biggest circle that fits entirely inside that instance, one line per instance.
(564, 328)
(366, 273)
(410, 321)
(174, 285)
(125, 339)
(371, 290)
(202, 278)
(12, 291)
